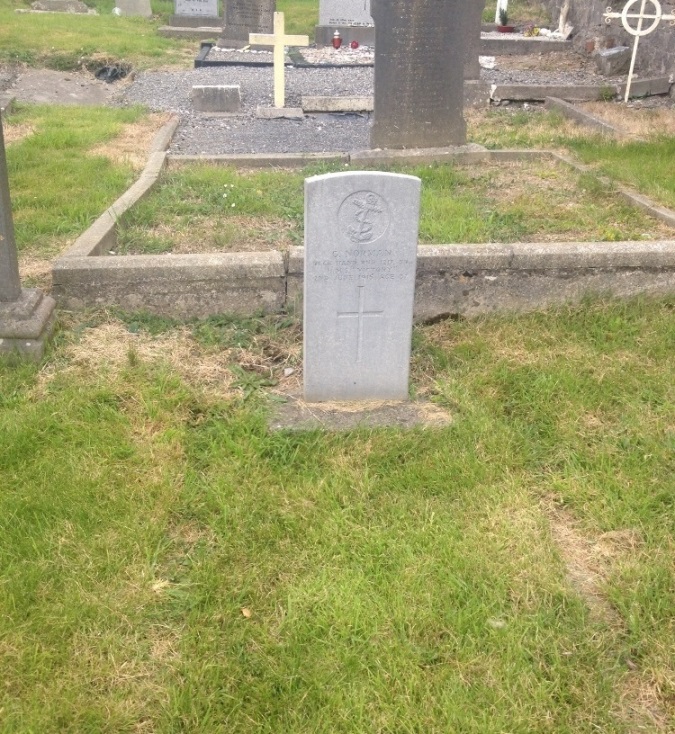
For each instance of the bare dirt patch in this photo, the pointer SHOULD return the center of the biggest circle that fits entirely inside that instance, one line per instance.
(131, 146)
(45, 86)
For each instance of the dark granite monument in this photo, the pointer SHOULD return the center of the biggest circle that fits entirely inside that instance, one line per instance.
(243, 17)
(26, 315)
(420, 53)
(473, 19)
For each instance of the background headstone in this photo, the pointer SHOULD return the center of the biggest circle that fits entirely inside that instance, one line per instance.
(196, 13)
(420, 51)
(243, 17)
(351, 17)
(360, 258)
(345, 12)
(134, 7)
(474, 21)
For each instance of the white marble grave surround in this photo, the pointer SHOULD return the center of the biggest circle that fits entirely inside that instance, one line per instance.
(196, 8)
(345, 13)
(361, 232)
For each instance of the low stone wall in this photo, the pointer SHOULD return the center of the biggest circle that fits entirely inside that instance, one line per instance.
(475, 279)
(451, 279)
(656, 53)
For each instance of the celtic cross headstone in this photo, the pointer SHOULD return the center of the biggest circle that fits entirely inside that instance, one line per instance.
(639, 24)
(360, 262)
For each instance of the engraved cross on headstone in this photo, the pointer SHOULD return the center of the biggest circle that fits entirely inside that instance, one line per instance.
(639, 30)
(360, 315)
(278, 40)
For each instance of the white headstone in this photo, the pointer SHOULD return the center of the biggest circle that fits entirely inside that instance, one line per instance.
(345, 13)
(360, 258)
(196, 8)
(134, 7)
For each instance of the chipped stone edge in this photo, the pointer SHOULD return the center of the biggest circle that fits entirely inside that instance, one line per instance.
(467, 279)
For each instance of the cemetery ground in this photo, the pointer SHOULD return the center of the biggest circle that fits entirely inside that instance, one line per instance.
(170, 564)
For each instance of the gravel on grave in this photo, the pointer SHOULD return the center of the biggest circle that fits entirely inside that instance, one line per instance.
(202, 133)
(208, 134)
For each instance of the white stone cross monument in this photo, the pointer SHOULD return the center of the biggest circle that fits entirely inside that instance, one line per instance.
(278, 40)
(656, 16)
(360, 261)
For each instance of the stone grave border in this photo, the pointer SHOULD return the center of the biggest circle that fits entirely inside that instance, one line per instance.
(496, 93)
(451, 279)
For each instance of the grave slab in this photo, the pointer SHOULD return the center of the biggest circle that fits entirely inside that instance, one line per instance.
(360, 257)
(218, 98)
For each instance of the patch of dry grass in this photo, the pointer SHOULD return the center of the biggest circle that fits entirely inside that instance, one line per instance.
(640, 122)
(202, 234)
(111, 347)
(131, 146)
(15, 133)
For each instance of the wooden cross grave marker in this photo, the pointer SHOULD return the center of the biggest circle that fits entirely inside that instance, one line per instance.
(278, 40)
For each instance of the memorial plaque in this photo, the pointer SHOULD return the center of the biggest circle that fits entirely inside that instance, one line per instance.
(360, 259)
(345, 13)
(243, 17)
(196, 8)
(420, 51)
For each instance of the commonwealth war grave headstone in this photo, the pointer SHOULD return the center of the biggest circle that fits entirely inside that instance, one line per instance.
(243, 17)
(420, 50)
(26, 316)
(361, 233)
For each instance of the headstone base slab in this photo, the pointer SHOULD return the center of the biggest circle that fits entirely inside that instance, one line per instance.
(26, 324)
(204, 21)
(297, 415)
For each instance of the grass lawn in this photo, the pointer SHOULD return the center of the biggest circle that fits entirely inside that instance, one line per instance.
(168, 564)
(203, 209)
